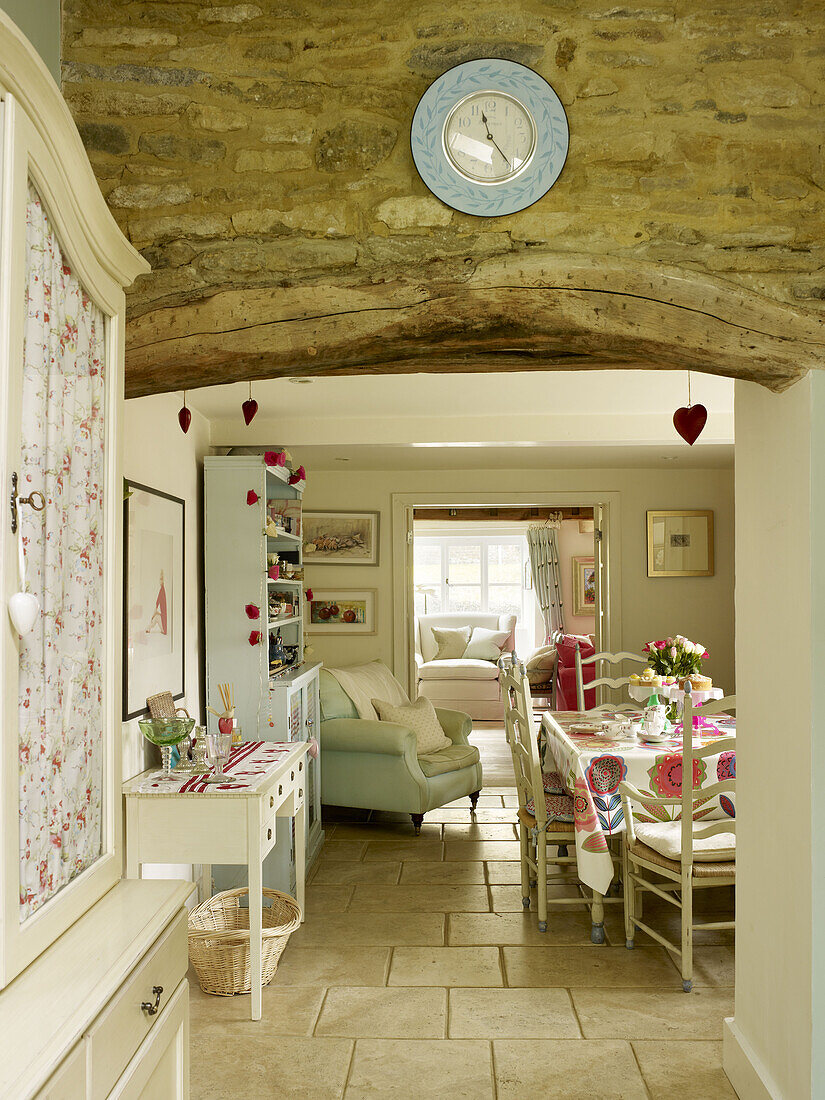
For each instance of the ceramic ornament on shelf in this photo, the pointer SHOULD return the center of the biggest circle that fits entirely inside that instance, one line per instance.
(689, 420)
(249, 407)
(184, 416)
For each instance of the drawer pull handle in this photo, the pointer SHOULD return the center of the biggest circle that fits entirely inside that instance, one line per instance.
(280, 789)
(301, 766)
(272, 799)
(269, 834)
(147, 1006)
(301, 793)
(292, 775)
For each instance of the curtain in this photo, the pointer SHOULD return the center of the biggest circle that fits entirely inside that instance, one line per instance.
(61, 705)
(542, 545)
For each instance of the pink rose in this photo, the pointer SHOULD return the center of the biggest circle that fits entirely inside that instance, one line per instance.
(673, 652)
(705, 654)
(661, 645)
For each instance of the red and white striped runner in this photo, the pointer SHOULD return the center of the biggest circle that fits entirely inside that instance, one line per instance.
(247, 764)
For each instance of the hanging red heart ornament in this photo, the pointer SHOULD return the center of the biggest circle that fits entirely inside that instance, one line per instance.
(249, 408)
(184, 419)
(252, 497)
(254, 637)
(252, 611)
(689, 421)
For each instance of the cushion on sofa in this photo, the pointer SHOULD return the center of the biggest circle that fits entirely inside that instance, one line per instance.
(451, 642)
(665, 837)
(566, 648)
(451, 759)
(485, 645)
(420, 717)
(461, 669)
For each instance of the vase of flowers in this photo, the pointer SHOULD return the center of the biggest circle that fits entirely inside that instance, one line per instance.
(678, 657)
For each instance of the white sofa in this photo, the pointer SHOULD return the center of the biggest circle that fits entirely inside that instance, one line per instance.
(467, 685)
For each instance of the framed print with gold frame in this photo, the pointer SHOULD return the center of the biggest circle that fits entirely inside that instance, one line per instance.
(680, 543)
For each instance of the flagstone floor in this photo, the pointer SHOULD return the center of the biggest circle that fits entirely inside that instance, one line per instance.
(418, 974)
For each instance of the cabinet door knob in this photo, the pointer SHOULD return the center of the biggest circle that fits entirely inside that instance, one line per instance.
(272, 799)
(269, 834)
(301, 792)
(292, 775)
(148, 1007)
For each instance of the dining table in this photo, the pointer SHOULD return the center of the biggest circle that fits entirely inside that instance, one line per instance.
(592, 765)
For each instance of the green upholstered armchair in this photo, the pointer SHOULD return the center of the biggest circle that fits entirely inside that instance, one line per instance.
(375, 765)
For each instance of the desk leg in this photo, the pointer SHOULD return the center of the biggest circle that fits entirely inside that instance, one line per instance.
(255, 879)
(597, 918)
(300, 854)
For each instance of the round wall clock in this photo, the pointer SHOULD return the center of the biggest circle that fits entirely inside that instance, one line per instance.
(489, 137)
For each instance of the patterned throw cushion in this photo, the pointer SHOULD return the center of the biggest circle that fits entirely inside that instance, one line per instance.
(451, 642)
(552, 783)
(421, 718)
(559, 807)
(485, 645)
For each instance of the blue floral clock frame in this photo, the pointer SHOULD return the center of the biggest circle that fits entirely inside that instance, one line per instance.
(547, 159)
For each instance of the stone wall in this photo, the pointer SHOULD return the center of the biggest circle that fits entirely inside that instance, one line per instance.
(266, 143)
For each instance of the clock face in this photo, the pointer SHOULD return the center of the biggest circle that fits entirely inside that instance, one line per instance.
(489, 137)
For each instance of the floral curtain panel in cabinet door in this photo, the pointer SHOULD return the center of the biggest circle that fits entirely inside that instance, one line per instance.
(61, 716)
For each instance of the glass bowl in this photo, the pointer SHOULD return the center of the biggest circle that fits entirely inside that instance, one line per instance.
(166, 733)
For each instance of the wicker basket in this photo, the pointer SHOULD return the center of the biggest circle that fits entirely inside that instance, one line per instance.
(219, 939)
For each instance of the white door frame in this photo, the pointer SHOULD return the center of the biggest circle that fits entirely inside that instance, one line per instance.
(403, 504)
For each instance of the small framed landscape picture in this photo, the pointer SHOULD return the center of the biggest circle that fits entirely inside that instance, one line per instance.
(340, 538)
(584, 586)
(680, 544)
(342, 611)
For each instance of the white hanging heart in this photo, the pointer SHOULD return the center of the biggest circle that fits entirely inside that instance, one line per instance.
(23, 610)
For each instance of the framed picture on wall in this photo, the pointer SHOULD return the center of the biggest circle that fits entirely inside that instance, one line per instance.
(153, 607)
(341, 611)
(680, 544)
(340, 538)
(584, 586)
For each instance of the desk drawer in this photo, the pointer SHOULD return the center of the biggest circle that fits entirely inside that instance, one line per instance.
(123, 1024)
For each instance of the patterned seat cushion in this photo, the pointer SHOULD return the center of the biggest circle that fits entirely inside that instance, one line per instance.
(559, 807)
(552, 783)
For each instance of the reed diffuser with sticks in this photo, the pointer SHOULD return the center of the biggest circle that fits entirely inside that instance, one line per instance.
(227, 723)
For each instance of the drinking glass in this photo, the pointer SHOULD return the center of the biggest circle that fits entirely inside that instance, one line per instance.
(165, 733)
(218, 748)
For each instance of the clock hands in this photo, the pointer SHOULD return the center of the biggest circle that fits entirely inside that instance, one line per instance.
(491, 138)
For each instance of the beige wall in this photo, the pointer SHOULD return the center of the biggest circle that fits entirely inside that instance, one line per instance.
(780, 609)
(39, 20)
(157, 453)
(701, 607)
(573, 544)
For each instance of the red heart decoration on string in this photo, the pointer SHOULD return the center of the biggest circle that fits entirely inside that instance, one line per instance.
(249, 408)
(184, 419)
(225, 725)
(252, 497)
(252, 611)
(254, 637)
(309, 594)
(689, 422)
(274, 571)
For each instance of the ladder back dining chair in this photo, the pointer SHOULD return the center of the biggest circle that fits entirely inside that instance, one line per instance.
(690, 854)
(607, 681)
(545, 809)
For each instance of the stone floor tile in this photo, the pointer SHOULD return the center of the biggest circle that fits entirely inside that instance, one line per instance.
(418, 848)
(468, 966)
(509, 1014)
(712, 966)
(326, 899)
(371, 930)
(405, 1068)
(429, 898)
(481, 849)
(507, 899)
(344, 849)
(592, 967)
(566, 1069)
(480, 831)
(453, 873)
(263, 1069)
(499, 928)
(485, 802)
(386, 830)
(332, 965)
(652, 1013)
(367, 1012)
(287, 1010)
(503, 871)
(666, 1067)
(483, 815)
(332, 872)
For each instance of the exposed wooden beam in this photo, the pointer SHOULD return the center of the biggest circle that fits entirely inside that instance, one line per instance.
(536, 311)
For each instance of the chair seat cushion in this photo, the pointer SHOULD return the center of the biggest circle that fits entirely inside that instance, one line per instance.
(459, 669)
(451, 759)
(700, 870)
(557, 829)
(665, 837)
(559, 807)
(552, 783)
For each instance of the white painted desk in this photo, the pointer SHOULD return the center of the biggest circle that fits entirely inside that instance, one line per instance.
(223, 826)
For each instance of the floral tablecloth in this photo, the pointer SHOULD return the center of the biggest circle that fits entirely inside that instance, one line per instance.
(592, 768)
